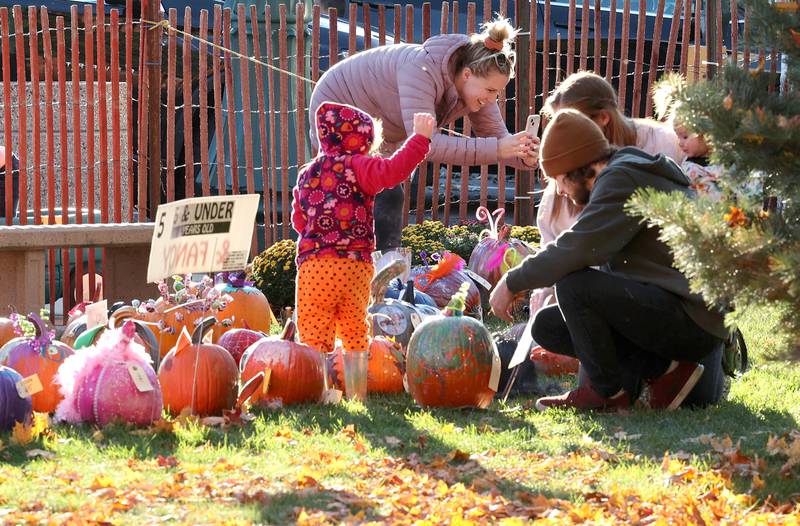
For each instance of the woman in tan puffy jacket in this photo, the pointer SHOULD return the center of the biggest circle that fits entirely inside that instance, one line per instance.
(449, 76)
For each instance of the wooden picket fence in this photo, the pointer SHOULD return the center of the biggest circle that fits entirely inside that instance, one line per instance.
(116, 114)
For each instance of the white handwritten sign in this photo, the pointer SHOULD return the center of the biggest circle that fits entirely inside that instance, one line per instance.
(202, 234)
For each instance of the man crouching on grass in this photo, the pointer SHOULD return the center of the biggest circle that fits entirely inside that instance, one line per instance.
(632, 322)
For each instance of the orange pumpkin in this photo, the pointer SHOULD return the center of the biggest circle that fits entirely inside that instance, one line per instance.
(552, 364)
(6, 331)
(39, 355)
(248, 310)
(200, 376)
(385, 367)
(296, 371)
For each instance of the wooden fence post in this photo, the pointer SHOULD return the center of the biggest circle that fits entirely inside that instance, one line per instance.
(152, 86)
(522, 209)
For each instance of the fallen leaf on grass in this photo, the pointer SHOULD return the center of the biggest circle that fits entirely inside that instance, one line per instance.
(167, 462)
(700, 439)
(790, 449)
(163, 426)
(212, 421)
(101, 482)
(283, 432)
(348, 432)
(306, 481)
(22, 434)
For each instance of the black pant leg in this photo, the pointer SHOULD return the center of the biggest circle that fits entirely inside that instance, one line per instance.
(388, 218)
(622, 330)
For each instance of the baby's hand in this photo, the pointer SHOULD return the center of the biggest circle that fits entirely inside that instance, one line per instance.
(424, 123)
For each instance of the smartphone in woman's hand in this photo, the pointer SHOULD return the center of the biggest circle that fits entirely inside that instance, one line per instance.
(532, 127)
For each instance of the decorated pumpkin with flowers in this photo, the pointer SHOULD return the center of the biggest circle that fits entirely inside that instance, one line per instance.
(185, 304)
(452, 360)
(39, 355)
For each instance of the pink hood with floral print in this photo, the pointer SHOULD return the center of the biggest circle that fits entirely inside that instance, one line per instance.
(344, 130)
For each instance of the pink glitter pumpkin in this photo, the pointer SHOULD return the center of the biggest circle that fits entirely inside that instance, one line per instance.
(98, 382)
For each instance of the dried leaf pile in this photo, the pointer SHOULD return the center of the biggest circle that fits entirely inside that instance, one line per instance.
(456, 488)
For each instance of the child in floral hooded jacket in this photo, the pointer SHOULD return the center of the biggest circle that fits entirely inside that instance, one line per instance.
(332, 212)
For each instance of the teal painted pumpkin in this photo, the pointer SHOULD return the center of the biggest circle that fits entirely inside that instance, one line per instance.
(451, 360)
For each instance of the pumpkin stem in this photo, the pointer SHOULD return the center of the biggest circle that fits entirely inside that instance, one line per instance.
(249, 389)
(458, 302)
(202, 329)
(289, 331)
(38, 324)
(503, 233)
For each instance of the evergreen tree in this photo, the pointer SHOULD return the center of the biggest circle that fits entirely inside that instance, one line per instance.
(743, 250)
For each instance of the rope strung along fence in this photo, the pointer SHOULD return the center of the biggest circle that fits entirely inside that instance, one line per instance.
(164, 24)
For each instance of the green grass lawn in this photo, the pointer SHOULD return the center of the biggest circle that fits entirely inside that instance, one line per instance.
(387, 460)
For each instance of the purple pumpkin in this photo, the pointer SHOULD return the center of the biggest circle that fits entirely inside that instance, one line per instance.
(13, 408)
(99, 387)
(496, 253)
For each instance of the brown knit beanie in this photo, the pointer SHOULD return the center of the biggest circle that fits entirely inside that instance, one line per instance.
(571, 141)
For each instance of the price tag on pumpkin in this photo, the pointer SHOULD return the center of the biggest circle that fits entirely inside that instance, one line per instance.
(477, 279)
(416, 319)
(29, 386)
(267, 376)
(96, 314)
(494, 378)
(139, 377)
(331, 396)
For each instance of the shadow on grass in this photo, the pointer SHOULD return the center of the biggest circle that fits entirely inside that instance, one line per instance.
(282, 508)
